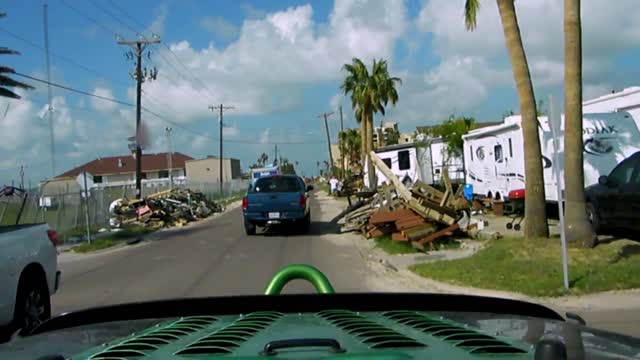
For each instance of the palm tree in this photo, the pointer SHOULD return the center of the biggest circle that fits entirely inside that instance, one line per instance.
(6, 81)
(576, 222)
(534, 208)
(370, 93)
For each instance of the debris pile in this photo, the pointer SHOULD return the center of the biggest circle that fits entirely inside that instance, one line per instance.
(163, 209)
(419, 215)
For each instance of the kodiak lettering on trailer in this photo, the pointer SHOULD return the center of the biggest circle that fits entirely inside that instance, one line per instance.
(609, 129)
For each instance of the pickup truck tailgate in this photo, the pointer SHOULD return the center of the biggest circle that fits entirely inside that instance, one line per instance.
(274, 202)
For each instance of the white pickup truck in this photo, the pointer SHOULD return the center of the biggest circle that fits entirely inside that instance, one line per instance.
(28, 275)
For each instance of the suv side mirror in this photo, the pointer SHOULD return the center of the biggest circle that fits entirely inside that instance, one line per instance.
(603, 180)
(309, 188)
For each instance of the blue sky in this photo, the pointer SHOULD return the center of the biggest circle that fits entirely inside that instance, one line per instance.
(278, 63)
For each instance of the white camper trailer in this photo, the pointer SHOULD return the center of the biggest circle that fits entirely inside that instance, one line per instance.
(626, 100)
(494, 156)
(425, 162)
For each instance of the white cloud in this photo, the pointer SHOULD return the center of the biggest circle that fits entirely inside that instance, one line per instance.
(264, 136)
(275, 57)
(607, 31)
(100, 104)
(230, 131)
(220, 27)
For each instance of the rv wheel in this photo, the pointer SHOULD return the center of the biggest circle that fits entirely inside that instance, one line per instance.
(516, 227)
(509, 226)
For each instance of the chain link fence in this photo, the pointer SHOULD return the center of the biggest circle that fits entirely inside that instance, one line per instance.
(67, 212)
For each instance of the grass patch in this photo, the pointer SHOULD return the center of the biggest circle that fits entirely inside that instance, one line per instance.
(535, 267)
(393, 247)
(95, 245)
(130, 232)
(320, 185)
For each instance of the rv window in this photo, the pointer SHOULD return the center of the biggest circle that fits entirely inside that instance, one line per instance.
(510, 149)
(387, 162)
(471, 152)
(497, 153)
(403, 160)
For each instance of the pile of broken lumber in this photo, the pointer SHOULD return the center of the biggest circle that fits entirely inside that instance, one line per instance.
(167, 208)
(419, 215)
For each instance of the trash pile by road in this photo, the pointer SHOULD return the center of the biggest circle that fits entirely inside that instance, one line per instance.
(168, 208)
(419, 215)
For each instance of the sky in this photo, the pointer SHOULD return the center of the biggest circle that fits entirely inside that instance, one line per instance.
(279, 64)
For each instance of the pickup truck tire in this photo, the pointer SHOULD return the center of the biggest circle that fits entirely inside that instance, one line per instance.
(249, 229)
(305, 224)
(33, 304)
(594, 218)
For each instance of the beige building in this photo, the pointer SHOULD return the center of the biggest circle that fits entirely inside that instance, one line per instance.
(119, 171)
(405, 138)
(208, 170)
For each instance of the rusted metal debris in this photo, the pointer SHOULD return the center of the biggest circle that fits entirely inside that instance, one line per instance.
(163, 209)
(419, 215)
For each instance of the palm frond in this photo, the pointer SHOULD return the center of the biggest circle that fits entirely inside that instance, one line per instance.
(7, 81)
(8, 93)
(7, 51)
(471, 9)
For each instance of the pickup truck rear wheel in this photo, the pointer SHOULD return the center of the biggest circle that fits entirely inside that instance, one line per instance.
(249, 229)
(33, 305)
(594, 218)
(305, 224)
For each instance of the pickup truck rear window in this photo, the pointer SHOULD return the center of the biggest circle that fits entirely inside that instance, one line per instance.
(276, 184)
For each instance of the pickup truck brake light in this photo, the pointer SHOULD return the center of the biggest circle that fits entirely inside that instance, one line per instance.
(245, 203)
(53, 237)
(303, 201)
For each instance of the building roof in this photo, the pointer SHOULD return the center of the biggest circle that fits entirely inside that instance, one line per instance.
(395, 147)
(127, 164)
(478, 125)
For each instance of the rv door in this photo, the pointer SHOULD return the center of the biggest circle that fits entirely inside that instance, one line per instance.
(501, 167)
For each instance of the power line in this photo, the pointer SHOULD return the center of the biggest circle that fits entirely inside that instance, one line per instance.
(94, 3)
(113, 3)
(94, 21)
(161, 117)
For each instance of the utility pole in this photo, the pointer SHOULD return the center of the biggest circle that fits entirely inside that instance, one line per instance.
(341, 147)
(169, 156)
(221, 108)
(275, 158)
(21, 176)
(326, 126)
(140, 76)
(50, 106)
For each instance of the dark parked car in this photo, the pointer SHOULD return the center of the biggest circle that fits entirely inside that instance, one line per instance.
(280, 199)
(614, 203)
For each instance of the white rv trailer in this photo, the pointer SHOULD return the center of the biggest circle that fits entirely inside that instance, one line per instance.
(494, 156)
(626, 100)
(418, 161)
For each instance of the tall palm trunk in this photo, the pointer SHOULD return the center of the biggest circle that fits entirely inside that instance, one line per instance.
(576, 223)
(363, 143)
(534, 208)
(373, 181)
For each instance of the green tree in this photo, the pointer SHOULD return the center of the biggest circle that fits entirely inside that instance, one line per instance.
(7, 82)
(351, 141)
(286, 167)
(391, 136)
(451, 132)
(576, 222)
(535, 204)
(370, 93)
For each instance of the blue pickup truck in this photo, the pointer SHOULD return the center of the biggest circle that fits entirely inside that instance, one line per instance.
(280, 199)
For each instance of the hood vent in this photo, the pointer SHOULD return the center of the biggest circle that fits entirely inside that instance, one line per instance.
(140, 346)
(225, 340)
(460, 336)
(368, 331)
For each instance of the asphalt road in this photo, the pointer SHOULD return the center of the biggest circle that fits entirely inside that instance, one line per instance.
(209, 259)
(215, 258)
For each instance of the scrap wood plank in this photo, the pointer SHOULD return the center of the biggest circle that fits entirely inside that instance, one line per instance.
(397, 184)
(430, 214)
(418, 229)
(448, 231)
(382, 217)
(397, 236)
(409, 225)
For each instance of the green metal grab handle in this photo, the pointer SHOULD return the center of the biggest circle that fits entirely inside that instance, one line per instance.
(299, 271)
